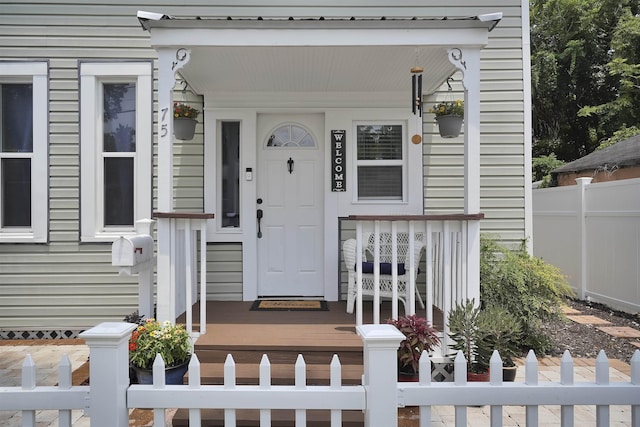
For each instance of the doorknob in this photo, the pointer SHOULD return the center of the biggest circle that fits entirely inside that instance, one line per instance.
(259, 214)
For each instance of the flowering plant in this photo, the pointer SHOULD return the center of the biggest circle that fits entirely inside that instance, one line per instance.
(171, 341)
(183, 110)
(448, 108)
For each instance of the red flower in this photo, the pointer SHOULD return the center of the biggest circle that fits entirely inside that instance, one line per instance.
(133, 346)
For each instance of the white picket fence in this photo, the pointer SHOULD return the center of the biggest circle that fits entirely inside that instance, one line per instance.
(109, 397)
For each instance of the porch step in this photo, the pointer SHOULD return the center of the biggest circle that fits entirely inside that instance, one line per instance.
(281, 374)
(281, 356)
(280, 418)
(282, 336)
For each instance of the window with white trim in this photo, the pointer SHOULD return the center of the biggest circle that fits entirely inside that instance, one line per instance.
(116, 125)
(229, 170)
(23, 152)
(380, 161)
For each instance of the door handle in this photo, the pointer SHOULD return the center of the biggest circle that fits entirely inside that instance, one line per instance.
(259, 214)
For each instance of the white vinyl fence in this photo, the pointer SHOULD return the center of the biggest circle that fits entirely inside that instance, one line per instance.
(109, 397)
(592, 233)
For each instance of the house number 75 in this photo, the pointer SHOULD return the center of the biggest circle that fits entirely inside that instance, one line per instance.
(163, 127)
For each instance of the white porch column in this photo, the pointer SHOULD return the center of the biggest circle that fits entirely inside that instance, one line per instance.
(170, 61)
(467, 60)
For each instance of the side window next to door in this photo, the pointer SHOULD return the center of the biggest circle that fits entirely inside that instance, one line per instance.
(115, 138)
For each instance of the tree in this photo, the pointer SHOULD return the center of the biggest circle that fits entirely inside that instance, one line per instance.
(581, 58)
(623, 110)
(542, 167)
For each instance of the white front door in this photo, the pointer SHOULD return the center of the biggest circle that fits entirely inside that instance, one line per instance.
(290, 195)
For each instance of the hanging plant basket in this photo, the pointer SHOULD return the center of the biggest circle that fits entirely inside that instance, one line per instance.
(449, 125)
(184, 128)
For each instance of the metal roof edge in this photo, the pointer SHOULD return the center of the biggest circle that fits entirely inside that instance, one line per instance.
(149, 20)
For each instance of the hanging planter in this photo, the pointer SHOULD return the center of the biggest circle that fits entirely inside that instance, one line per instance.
(184, 121)
(449, 115)
(184, 128)
(449, 126)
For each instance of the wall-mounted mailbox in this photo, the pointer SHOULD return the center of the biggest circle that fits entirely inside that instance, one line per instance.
(132, 251)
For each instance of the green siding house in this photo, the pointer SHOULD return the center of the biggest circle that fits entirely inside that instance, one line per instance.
(313, 116)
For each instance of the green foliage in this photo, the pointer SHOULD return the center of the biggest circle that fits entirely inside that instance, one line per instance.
(624, 66)
(585, 69)
(543, 165)
(469, 329)
(620, 135)
(504, 333)
(172, 342)
(523, 285)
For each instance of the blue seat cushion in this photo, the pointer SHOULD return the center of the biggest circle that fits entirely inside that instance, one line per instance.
(385, 268)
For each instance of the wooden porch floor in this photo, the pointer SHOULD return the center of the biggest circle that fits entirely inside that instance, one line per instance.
(232, 328)
(232, 324)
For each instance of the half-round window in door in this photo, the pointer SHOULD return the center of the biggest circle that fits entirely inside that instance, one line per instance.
(291, 135)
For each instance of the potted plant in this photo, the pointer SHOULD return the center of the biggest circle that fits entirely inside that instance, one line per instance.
(469, 329)
(449, 115)
(419, 337)
(505, 335)
(184, 121)
(172, 342)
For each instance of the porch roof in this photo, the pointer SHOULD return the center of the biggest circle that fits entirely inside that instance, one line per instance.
(316, 55)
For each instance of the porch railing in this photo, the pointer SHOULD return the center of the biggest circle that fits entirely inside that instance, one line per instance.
(451, 260)
(108, 398)
(178, 236)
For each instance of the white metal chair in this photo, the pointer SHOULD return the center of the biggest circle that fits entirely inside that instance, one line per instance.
(386, 281)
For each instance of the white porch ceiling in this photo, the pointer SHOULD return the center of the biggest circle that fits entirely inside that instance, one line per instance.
(315, 68)
(328, 56)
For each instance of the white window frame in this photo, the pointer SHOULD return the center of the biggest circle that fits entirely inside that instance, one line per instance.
(401, 162)
(213, 175)
(92, 76)
(36, 73)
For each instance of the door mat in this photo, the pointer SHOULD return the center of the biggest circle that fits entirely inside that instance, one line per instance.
(289, 305)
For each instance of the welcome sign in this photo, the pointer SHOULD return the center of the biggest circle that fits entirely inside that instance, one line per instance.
(338, 175)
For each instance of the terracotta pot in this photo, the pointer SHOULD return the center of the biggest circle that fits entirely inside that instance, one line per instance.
(408, 377)
(173, 374)
(474, 377)
(184, 128)
(449, 126)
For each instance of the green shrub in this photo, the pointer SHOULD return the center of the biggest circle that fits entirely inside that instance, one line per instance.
(525, 286)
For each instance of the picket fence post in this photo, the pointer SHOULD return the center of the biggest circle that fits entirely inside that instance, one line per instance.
(380, 346)
(109, 373)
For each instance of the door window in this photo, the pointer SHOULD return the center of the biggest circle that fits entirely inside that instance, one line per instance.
(291, 135)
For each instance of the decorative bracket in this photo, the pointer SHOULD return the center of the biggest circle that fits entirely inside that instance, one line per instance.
(456, 58)
(183, 56)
